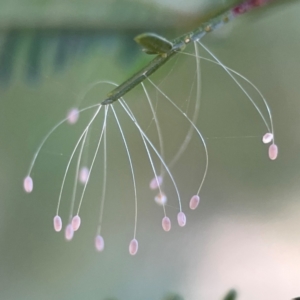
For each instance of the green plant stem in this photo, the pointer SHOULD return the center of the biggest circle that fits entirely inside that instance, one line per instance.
(213, 22)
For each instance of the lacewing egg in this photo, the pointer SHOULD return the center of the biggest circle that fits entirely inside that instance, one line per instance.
(99, 243)
(133, 247)
(28, 184)
(155, 183)
(181, 218)
(69, 232)
(194, 202)
(273, 152)
(57, 223)
(166, 224)
(161, 199)
(73, 115)
(267, 138)
(76, 221)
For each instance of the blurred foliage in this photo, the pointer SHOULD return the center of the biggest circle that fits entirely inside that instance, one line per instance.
(101, 15)
(232, 295)
(173, 297)
(73, 29)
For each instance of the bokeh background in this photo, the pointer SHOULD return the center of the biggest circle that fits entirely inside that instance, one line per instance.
(245, 233)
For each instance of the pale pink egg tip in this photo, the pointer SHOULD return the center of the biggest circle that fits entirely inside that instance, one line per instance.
(73, 115)
(69, 232)
(181, 218)
(76, 221)
(133, 247)
(84, 175)
(156, 182)
(161, 199)
(99, 243)
(194, 202)
(273, 152)
(267, 138)
(28, 184)
(57, 223)
(166, 224)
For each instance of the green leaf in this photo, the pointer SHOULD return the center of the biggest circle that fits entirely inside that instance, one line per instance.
(153, 43)
(232, 295)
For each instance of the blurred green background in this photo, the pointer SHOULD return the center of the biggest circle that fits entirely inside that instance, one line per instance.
(245, 233)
